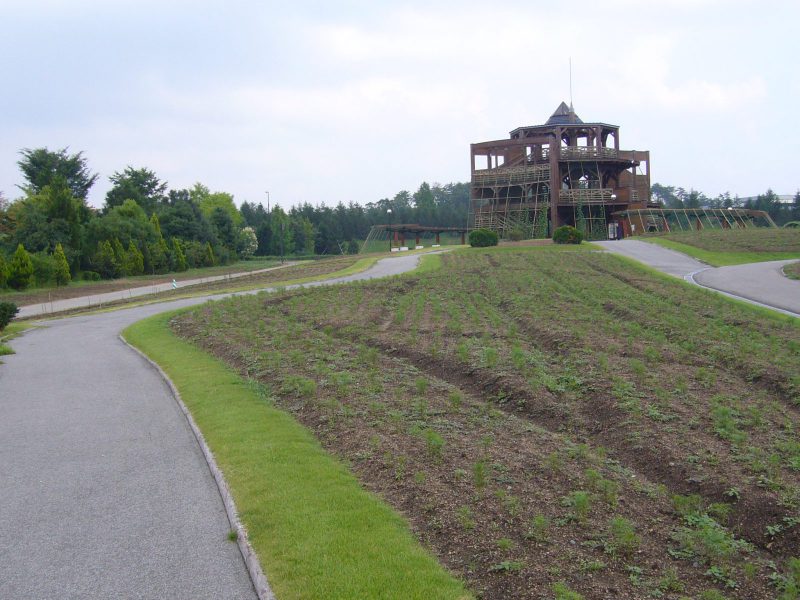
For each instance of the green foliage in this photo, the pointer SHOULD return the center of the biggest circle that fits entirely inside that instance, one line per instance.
(105, 261)
(8, 310)
(481, 238)
(516, 234)
(62, 274)
(41, 167)
(566, 234)
(208, 256)
(352, 247)
(20, 269)
(44, 269)
(4, 267)
(90, 276)
(140, 185)
(134, 260)
(621, 537)
(248, 242)
(178, 257)
(561, 591)
(540, 223)
(580, 502)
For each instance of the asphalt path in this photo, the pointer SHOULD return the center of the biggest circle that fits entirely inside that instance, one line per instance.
(55, 306)
(758, 283)
(104, 491)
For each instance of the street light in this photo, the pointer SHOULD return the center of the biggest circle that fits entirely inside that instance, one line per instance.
(267, 193)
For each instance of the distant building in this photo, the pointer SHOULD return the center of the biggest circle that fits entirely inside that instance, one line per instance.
(563, 172)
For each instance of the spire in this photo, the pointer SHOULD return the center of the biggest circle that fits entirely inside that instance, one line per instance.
(564, 115)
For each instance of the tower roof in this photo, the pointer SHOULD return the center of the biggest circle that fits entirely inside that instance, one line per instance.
(563, 115)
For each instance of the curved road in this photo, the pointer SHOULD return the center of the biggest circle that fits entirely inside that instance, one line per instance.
(104, 491)
(759, 283)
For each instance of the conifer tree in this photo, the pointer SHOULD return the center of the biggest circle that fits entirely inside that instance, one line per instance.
(105, 262)
(63, 276)
(134, 260)
(20, 271)
(179, 257)
(120, 257)
(3, 270)
(209, 259)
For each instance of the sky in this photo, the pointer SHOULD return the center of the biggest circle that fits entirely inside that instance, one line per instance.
(354, 101)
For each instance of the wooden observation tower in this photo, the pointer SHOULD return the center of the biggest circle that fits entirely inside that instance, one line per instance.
(565, 172)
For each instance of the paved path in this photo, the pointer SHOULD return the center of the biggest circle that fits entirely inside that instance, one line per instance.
(758, 283)
(104, 492)
(47, 308)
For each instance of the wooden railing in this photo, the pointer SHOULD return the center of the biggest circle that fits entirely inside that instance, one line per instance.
(512, 175)
(586, 152)
(590, 196)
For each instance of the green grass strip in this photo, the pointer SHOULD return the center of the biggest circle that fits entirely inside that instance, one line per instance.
(721, 259)
(317, 532)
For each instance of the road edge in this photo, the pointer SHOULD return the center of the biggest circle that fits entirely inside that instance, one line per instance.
(257, 576)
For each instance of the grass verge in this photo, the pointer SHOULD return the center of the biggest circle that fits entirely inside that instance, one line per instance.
(720, 258)
(8, 334)
(317, 533)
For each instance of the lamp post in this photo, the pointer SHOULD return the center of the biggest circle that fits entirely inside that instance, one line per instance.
(267, 193)
(389, 214)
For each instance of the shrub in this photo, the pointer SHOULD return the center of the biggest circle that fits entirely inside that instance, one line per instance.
(516, 234)
(8, 310)
(481, 238)
(567, 235)
(20, 271)
(90, 276)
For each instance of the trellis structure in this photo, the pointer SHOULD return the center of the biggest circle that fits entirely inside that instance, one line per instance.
(563, 172)
(665, 220)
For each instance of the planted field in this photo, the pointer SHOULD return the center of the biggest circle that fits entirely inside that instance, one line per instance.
(548, 420)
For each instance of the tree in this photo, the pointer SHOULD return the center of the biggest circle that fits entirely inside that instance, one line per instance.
(62, 274)
(140, 185)
(178, 257)
(247, 243)
(209, 260)
(134, 260)
(40, 167)
(3, 270)
(121, 256)
(158, 251)
(20, 271)
(105, 261)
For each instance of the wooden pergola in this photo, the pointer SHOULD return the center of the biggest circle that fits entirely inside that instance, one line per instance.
(397, 233)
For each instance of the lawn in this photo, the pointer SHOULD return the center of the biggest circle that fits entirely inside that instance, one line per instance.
(792, 270)
(724, 247)
(546, 418)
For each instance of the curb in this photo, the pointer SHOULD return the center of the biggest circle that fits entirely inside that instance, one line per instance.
(257, 576)
(689, 278)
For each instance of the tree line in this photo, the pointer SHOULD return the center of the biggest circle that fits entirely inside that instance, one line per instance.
(50, 234)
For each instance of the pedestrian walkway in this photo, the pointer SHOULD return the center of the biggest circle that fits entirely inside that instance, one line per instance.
(48, 308)
(758, 283)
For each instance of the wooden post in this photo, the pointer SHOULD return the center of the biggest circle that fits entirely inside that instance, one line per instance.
(437, 238)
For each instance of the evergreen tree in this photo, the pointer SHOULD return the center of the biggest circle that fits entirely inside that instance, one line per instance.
(134, 260)
(3, 270)
(178, 256)
(105, 261)
(121, 256)
(159, 251)
(20, 271)
(580, 219)
(62, 274)
(208, 260)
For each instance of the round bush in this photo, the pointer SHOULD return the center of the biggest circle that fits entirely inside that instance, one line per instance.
(90, 276)
(480, 238)
(567, 235)
(8, 311)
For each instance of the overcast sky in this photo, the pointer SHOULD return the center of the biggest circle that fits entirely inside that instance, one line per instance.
(340, 101)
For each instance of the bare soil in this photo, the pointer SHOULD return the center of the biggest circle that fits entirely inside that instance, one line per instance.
(545, 416)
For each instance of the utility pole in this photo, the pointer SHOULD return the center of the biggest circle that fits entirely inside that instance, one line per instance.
(267, 193)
